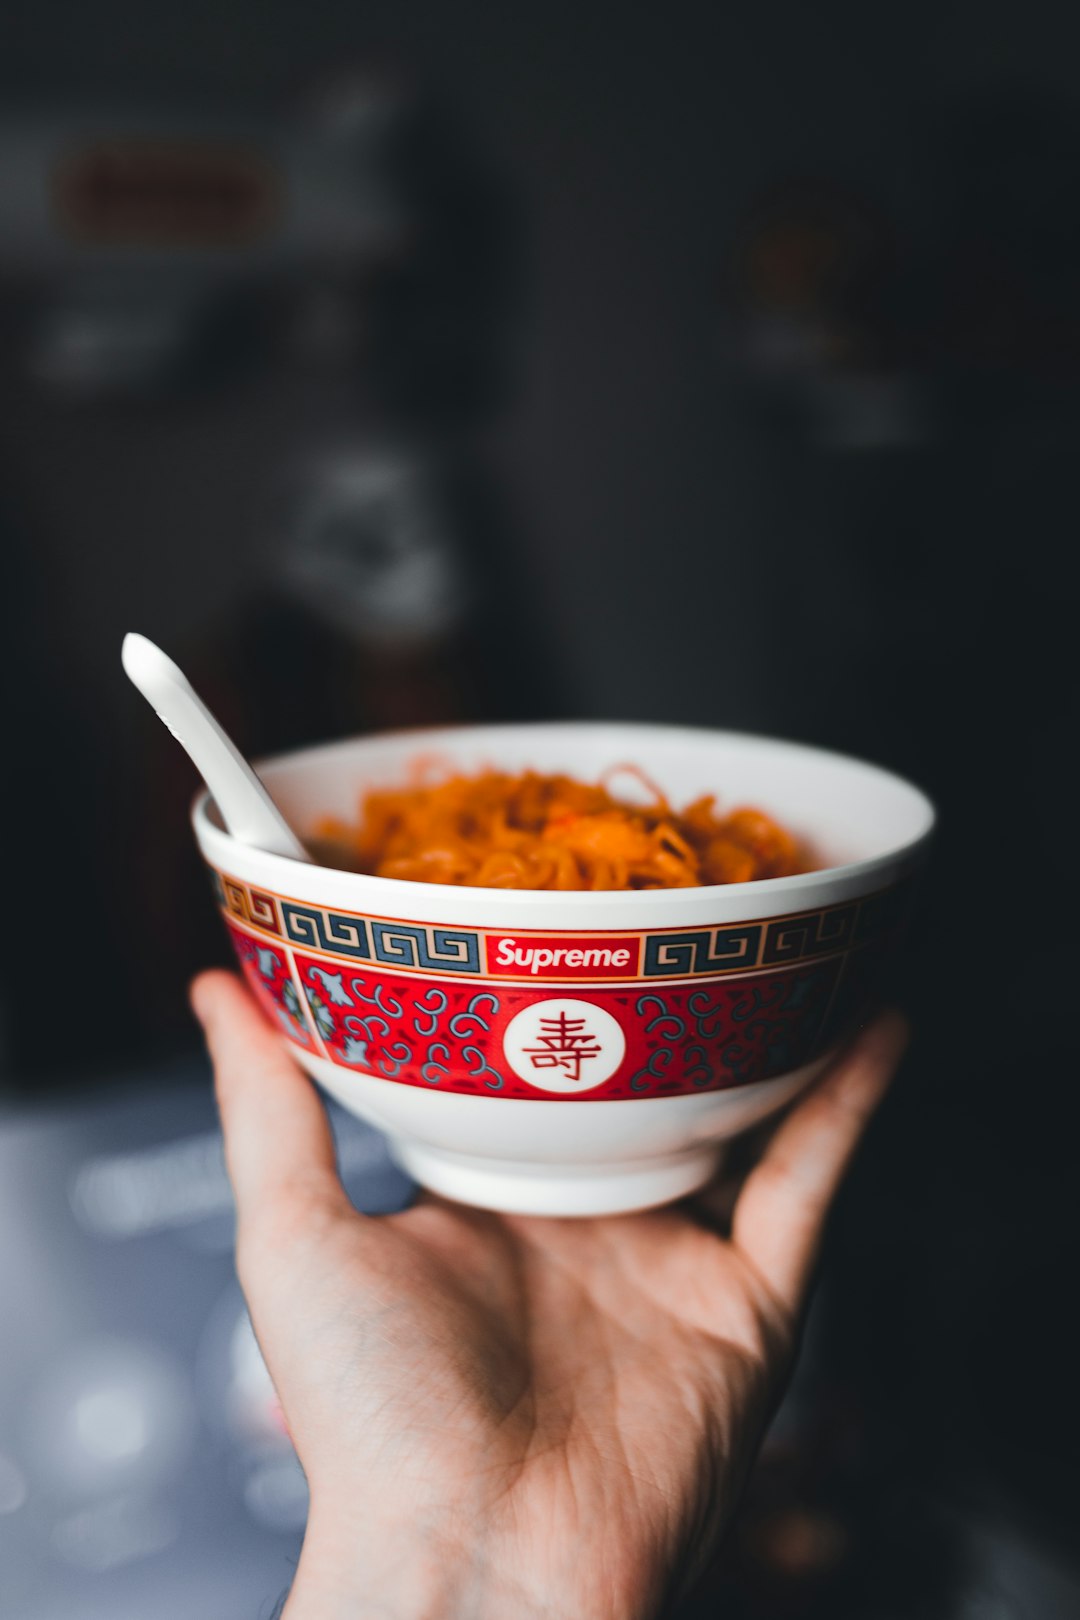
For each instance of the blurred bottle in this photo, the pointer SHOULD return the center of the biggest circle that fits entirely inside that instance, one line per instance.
(398, 555)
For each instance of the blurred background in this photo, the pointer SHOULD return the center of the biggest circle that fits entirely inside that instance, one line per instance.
(393, 364)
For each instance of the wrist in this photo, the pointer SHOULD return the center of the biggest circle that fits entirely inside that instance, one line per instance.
(345, 1573)
(419, 1572)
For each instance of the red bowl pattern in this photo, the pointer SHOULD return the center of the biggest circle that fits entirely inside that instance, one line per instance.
(529, 1015)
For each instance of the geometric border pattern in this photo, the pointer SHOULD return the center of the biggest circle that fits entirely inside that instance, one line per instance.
(665, 954)
(704, 950)
(371, 939)
(250, 905)
(326, 930)
(793, 939)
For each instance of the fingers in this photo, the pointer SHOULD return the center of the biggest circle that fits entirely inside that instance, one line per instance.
(278, 1144)
(715, 1204)
(781, 1211)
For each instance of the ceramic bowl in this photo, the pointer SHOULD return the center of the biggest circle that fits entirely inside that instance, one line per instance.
(573, 1053)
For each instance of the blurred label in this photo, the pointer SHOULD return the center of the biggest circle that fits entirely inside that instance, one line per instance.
(165, 193)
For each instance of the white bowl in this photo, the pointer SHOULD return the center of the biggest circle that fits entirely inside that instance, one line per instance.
(573, 1053)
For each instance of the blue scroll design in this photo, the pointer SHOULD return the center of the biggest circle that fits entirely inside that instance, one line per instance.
(480, 1067)
(653, 1070)
(664, 1022)
(701, 1070)
(392, 1059)
(430, 1015)
(472, 1015)
(432, 1070)
(380, 999)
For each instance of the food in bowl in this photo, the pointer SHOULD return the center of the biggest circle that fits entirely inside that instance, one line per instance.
(573, 1052)
(531, 830)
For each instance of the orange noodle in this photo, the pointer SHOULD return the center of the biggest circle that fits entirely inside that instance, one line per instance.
(525, 830)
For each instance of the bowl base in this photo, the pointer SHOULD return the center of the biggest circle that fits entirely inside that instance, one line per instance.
(578, 1190)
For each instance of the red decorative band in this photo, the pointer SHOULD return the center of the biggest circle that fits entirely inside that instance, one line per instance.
(599, 1042)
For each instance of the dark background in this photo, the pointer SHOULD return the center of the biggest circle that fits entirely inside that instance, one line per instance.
(727, 360)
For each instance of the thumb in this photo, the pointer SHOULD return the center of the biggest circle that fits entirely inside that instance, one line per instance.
(279, 1148)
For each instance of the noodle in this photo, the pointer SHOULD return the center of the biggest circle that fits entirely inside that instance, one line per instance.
(530, 831)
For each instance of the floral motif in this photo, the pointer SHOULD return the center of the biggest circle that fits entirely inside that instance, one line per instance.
(332, 985)
(354, 1051)
(320, 1012)
(270, 977)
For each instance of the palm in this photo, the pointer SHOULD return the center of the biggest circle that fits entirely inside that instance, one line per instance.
(581, 1374)
(575, 1403)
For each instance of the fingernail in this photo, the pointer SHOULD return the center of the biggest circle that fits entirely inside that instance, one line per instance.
(195, 998)
(876, 1051)
(894, 1027)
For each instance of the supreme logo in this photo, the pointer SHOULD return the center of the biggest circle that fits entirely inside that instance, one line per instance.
(555, 957)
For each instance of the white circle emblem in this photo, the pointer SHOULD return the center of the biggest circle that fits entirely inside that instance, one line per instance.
(564, 1045)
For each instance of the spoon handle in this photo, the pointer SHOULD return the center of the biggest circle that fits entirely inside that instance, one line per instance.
(246, 808)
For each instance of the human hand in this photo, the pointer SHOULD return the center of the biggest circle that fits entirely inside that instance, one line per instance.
(510, 1416)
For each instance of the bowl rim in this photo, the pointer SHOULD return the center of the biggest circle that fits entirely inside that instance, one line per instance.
(292, 871)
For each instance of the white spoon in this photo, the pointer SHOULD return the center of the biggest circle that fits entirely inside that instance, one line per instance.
(246, 808)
